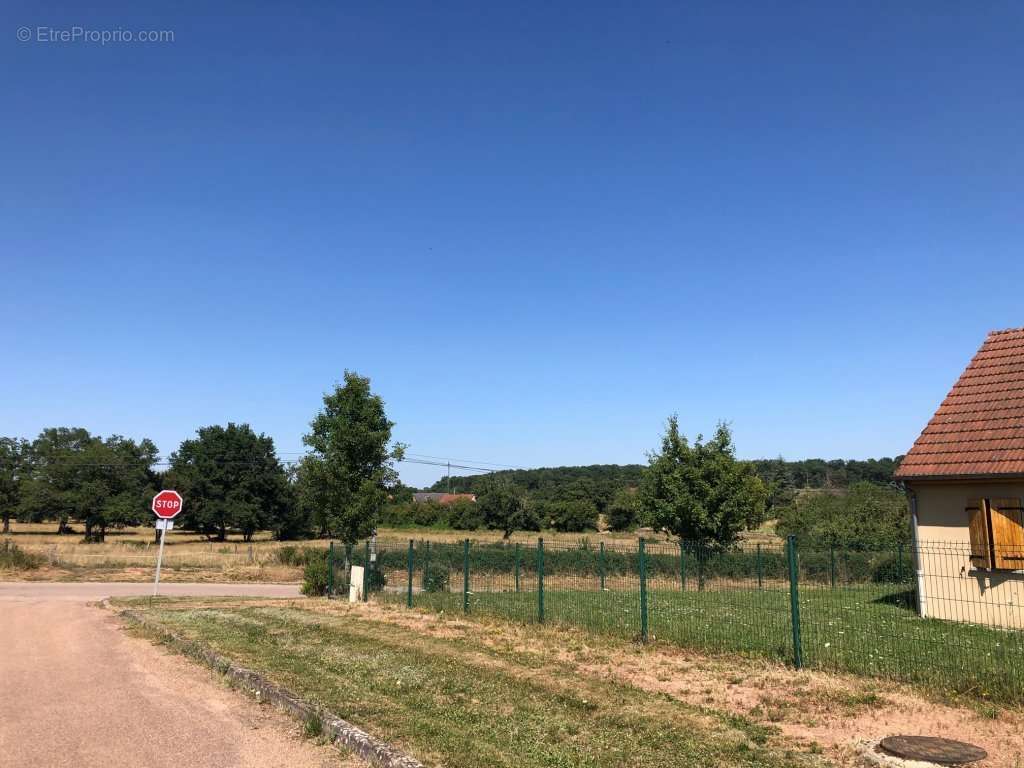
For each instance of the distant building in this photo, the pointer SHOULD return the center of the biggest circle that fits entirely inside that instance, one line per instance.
(443, 498)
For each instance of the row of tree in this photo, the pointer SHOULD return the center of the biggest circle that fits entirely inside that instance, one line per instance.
(230, 476)
(233, 480)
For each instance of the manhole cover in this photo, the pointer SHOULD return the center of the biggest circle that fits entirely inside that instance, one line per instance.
(932, 749)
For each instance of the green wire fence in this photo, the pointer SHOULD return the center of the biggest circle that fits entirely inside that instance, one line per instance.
(816, 606)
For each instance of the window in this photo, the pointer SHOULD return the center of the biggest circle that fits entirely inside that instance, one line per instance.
(997, 533)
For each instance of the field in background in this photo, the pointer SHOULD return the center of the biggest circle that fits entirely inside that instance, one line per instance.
(129, 554)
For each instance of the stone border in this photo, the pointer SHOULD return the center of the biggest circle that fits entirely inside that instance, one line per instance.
(366, 746)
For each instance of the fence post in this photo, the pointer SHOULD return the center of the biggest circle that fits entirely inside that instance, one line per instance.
(540, 580)
(601, 566)
(408, 596)
(682, 565)
(330, 570)
(701, 552)
(426, 563)
(643, 591)
(465, 576)
(794, 601)
(367, 574)
(832, 565)
(517, 566)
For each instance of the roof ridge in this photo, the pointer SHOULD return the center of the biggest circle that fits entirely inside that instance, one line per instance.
(1006, 330)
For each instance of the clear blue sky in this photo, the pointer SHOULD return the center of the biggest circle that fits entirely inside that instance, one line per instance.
(538, 229)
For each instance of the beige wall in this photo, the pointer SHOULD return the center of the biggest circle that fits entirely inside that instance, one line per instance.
(951, 587)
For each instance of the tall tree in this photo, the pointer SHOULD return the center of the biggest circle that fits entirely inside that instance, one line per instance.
(13, 456)
(73, 475)
(232, 480)
(700, 492)
(345, 478)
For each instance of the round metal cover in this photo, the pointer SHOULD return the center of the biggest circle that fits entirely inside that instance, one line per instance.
(932, 749)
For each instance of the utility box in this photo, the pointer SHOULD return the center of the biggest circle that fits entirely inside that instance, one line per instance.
(355, 584)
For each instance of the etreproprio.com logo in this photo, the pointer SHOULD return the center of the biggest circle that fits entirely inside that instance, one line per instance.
(80, 34)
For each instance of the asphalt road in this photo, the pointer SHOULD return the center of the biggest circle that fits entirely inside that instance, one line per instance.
(76, 690)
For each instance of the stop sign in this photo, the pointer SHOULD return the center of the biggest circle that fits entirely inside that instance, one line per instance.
(167, 504)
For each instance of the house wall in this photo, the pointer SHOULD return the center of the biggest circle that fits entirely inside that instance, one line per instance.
(952, 588)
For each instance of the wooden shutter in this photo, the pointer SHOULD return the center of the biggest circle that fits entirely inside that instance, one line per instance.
(977, 520)
(1007, 533)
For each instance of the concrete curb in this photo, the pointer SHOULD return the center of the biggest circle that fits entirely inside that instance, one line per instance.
(338, 730)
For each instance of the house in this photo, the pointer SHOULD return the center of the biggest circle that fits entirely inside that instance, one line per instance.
(964, 478)
(443, 498)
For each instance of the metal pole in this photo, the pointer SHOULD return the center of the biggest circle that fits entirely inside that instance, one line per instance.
(408, 596)
(601, 566)
(330, 570)
(366, 573)
(540, 580)
(682, 565)
(465, 576)
(832, 565)
(760, 569)
(517, 566)
(643, 591)
(794, 601)
(426, 563)
(160, 557)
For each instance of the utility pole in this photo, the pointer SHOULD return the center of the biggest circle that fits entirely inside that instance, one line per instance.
(449, 476)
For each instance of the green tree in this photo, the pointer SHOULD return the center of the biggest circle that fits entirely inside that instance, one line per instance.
(344, 479)
(13, 457)
(867, 516)
(623, 513)
(504, 509)
(700, 492)
(73, 475)
(231, 480)
(573, 516)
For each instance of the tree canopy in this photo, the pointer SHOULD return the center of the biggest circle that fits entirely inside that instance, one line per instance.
(700, 492)
(13, 465)
(231, 479)
(867, 516)
(73, 475)
(345, 478)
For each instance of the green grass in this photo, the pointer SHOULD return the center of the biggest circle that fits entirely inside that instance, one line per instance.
(460, 703)
(864, 629)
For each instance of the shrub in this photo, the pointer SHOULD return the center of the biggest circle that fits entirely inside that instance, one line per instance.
(315, 577)
(623, 512)
(13, 557)
(465, 515)
(299, 556)
(573, 516)
(436, 579)
(890, 569)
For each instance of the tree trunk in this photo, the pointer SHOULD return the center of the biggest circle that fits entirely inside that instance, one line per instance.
(62, 526)
(7, 523)
(222, 533)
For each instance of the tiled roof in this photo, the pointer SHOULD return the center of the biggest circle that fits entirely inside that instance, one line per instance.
(979, 428)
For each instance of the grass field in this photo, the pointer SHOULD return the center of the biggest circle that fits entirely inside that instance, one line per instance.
(865, 629)
(129, 554)
(459, 702)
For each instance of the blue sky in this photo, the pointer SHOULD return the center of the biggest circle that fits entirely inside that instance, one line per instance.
(538, 228)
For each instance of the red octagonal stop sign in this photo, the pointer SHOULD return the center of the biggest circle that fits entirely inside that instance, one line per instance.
(167, 504)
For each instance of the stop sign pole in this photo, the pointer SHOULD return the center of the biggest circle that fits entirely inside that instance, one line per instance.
(166, 506)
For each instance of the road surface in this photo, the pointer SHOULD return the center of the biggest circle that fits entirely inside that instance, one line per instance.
(76, 690)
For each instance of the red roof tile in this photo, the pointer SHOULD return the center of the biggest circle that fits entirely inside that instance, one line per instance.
(979, 428)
